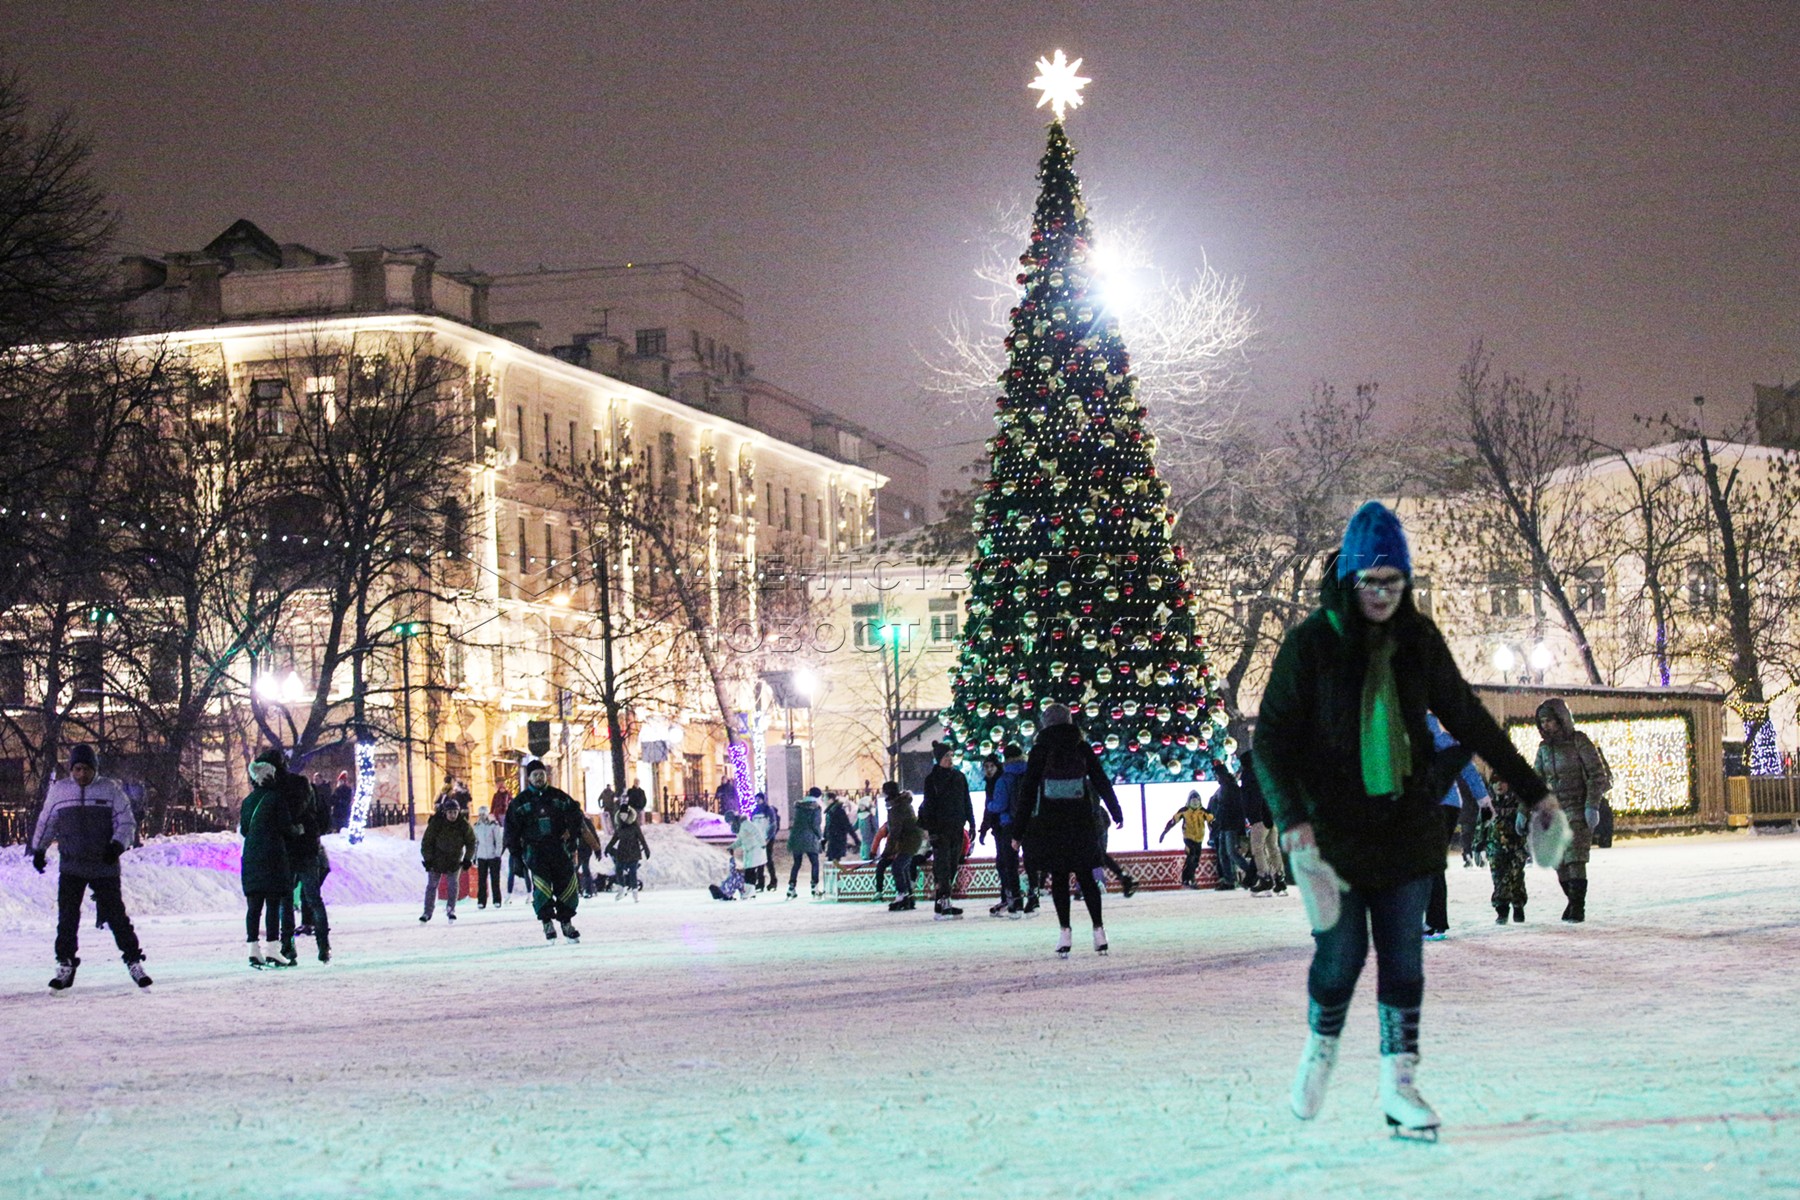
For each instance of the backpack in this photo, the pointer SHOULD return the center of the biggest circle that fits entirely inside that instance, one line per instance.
(1065, 788)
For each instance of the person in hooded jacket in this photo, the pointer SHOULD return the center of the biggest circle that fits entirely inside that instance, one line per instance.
(543, 824)
(752, 845)
(771, 817)
(805, 836)
(88, 817)
(1193, 819)
(266, 822)
(997, 819)
(1063, 779)
(447, 849)
(1346, 763)
(490, 844)
(1577, 775)
(905, 838)
(946, 812)
(866, 824)
(628, 848)
(840, 833)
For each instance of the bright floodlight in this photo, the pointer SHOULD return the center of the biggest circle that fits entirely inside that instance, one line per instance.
(267, 687)
(1504, 659)
(806, 683)
(292, 690)
(1540, 657)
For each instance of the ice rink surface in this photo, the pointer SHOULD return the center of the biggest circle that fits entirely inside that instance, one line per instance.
(793, 1049)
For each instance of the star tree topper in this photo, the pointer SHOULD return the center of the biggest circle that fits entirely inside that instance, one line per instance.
(1059, 83)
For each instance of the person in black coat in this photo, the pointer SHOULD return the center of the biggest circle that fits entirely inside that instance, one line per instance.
(840, 834)
(311, 809)
(266, 822)
(1228, 820)
(1062, 782)
(1347, 766)
(945, 813)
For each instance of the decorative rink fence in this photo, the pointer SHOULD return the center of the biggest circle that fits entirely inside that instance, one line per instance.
(977, 879)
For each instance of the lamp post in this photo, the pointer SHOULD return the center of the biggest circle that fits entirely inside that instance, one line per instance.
(1504, 661)
(1540, 660)
(407, 631)
(891, 633)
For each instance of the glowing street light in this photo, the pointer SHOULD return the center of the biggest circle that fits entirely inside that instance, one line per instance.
(1540, 658)
(1504, 661)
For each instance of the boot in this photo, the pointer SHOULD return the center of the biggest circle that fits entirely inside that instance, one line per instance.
(1577, 902)
(1031, 903)
(1501, 910)
(549, 931)
(138, 974)
(324, 948)
(1518, 914)
(1128, 885)
(570, 932)
(1569, 908)
(1263, 884)
(901, 904)
(1407, 1112)
(1314, 1072)
(1280, 885)
(999, 910)
(65, 973)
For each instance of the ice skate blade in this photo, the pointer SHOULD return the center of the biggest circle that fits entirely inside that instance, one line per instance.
(1412, 1133)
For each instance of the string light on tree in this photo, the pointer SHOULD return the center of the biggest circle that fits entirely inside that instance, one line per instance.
(1079, 596)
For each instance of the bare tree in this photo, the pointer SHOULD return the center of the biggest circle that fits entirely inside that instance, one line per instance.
(1189, 339)
(1271, 514)
(1753, 546)
(1533, 449)
(54, 225)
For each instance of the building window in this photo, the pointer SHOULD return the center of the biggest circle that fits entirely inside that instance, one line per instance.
(546, 439)
(265, 404)
(524, 547)
(787, 511)
(652, 342)
(89, 673)
(694, 334)
(571, 445)
(1702, 587)
(12, 675)
(1503, 597)
(819, 518)
(944, 624)
(1590, 590)
(321, 396)
(864, 618)
(671, 475)
(519, 412)
(805, 516)
(1421, 590)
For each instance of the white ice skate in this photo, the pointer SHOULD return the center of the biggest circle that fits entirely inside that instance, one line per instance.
(1407, 1113)
(1314, 1072)
(1064, 940)
(1099, 939)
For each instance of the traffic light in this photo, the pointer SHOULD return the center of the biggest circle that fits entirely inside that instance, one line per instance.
(408, 629)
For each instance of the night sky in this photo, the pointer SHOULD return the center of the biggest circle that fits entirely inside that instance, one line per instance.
(1602, 195)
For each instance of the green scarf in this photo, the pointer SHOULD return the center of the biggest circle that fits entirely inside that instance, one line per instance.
(1386, 750)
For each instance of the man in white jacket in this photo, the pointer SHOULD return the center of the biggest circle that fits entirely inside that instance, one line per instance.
(90, 820)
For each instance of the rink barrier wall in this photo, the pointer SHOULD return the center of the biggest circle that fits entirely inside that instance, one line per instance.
(979, 879)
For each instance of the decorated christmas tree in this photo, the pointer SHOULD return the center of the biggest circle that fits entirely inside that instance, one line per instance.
(1078, 595)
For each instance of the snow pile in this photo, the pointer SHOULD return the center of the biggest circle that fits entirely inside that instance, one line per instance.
(198, 873)
(679, 860)
(709, 826)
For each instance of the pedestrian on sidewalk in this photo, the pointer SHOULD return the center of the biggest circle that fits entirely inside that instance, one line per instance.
(1064, 780)
(627, 848)
(447, 850)
(490, 843)
(88, 817)
(805, 837)
(1345, 760)
(266, 822)
(1193, 819)
(543, 824)
(945, 814)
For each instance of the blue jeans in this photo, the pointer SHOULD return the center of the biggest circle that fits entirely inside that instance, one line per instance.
(431, 890)
(1395, 916)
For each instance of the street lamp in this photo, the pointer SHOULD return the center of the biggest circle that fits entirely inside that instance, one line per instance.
(891, 634)
(1540, 660)
(1504, 661)
(407, 631)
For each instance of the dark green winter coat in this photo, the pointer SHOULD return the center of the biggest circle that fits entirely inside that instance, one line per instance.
(1308, 739)
(266, 824)
(447, 844)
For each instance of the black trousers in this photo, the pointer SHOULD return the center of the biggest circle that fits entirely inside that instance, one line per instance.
(946, 861)
(1191, 864)
(1437, 908)
(275, 911)
(486, 870)
(1006, 865)
(71, 890)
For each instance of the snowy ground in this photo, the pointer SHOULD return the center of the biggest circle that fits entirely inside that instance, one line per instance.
(691, 1048)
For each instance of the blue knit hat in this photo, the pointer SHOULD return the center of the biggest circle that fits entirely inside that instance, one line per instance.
(1373, 538)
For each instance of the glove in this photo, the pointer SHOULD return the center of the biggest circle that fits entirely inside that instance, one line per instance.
(112, 852)
(1519, 822)
(38, 860)
(1592, 814)
(468, 863)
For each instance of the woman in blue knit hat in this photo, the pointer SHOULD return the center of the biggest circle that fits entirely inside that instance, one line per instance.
(1347, 765)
